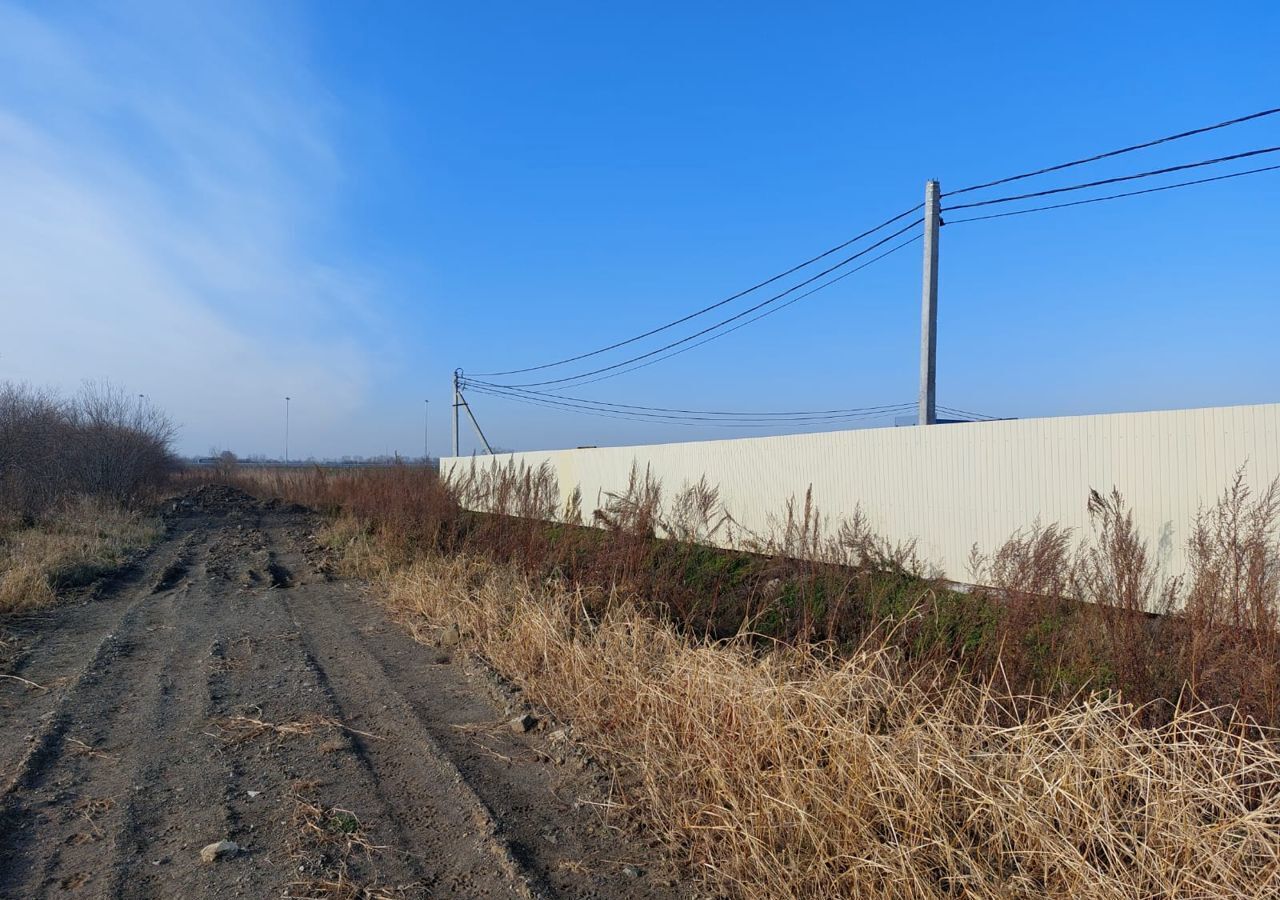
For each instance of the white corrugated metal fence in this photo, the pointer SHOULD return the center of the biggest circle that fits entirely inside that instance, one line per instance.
(951, 486)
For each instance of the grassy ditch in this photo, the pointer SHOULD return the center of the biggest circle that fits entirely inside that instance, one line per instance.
(798, 774)
(1065, 615)
(812, 717)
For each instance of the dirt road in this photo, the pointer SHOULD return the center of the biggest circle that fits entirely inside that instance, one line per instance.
(224, 687)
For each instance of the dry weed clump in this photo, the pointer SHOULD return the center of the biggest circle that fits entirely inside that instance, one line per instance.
(333, 849)
(1093, 612)
(794, 773)
(80, 539)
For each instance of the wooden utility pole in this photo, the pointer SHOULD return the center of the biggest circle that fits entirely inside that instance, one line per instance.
(929, 306)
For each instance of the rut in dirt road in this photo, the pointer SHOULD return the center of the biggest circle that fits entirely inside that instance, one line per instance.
(225, 688)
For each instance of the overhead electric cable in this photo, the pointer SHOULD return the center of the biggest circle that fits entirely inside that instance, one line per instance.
(1092, 184)
(951, 410)
(706, 309)
(575, 403)
(768, 312)
(732, 318)
(1111, 153)
(626, 418)
(793, 414)
(870, 413)
(1165, 187)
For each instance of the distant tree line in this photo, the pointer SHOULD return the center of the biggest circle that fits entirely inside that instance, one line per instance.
(100, 441)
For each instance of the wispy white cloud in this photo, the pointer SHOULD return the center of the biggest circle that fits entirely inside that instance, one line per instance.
(162, 167)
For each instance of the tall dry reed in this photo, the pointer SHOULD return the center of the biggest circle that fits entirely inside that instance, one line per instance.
(796, 774)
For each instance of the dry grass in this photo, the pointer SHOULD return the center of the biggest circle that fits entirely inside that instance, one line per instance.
(81, 539)
(883, 736)
(91, 809)
(237, 729)
(332, 847)
(1067, 613)
(794, 774)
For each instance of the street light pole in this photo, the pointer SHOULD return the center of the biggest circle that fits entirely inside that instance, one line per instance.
(286, 431)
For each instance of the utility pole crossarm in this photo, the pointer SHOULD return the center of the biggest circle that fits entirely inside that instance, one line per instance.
(929, 306)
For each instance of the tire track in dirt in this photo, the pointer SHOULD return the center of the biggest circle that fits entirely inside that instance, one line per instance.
(70, 785)
(516, 791)
(111, 644)
(55, 657)
(226, 689)
(176, 786)
(442, 793)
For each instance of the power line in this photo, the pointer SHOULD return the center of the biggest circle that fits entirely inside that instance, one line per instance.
(795, 414)
(719, 418)
(870, 413)
(1167, 187)
(951, 410)
(1111, 153)
(732, 318)
(1092, 184)
(605, 415)
(717, 423)
(639, 413)
(768, 312)
(707, 309)
(689, 415)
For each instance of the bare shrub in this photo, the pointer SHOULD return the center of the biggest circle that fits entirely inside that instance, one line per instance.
(572, 514)
(696, 515)
(1036, 562)
(509, 490)
(119, 445)
(70, 472)
(804, 532)
(34, 429)
(225, 463)
(101, 442)
(1038, 632)
(635, 510)
(1231, 607)
(855, 543)
(1116, 575)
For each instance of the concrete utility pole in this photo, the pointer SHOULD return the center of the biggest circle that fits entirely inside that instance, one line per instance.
(929, 306)
(456, 398)
(426, 427)
(286, 431)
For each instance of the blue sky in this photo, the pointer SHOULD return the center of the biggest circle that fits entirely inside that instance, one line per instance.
(220, 205)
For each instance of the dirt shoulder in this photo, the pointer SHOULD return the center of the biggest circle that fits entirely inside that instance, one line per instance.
(225, 687)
